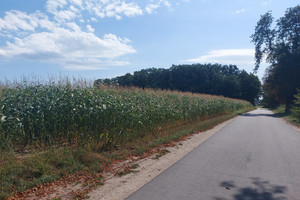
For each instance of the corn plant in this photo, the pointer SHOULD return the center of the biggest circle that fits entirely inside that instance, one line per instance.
(51, 114)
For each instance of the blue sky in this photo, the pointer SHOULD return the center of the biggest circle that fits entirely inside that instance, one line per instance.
(106, 38)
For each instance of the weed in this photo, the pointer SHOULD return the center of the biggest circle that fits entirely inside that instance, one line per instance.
(140, 150)
(126, 171)
(134, 166)
(19, 174)
(3, 196)
(161, 153)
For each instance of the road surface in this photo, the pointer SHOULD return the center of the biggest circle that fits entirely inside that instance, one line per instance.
(255, 157)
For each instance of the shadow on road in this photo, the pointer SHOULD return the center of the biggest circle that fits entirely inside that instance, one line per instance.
(264, 115)
(259, 190)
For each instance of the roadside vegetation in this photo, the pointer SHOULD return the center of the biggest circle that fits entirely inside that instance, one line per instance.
(53, 129)
(48, 115)
(280, 45)
(296, 108)
(294, 115)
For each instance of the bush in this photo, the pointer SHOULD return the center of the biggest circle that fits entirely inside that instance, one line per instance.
(296, 107)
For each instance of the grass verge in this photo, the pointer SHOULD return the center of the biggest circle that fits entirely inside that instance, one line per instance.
(21, 172)
(280, 112)
(189, 129)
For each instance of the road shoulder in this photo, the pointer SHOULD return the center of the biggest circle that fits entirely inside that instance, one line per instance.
(117, 187)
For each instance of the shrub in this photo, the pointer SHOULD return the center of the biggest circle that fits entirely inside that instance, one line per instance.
(296, 107)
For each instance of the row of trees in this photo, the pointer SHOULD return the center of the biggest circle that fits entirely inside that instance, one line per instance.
(226, 80)
(280, 45)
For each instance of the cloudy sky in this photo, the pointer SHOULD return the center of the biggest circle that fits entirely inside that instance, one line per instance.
(106, 38)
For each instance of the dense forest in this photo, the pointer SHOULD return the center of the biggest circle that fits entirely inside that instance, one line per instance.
(216, 79)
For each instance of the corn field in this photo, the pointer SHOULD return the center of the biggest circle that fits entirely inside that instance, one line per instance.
(51, 114)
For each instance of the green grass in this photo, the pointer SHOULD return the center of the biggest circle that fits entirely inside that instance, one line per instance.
(18, 173)
(195, 128)
(280, 112)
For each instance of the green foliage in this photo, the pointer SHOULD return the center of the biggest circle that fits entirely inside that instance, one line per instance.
(64, 115)
(281, 46)
(140, 150)
(225, 80)
(296, 107)
(249, 86)
(3, 196)
(47, 115)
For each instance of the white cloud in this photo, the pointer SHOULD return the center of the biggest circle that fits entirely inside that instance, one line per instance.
(53, 5)
(63, 34)
(67, 45)
(93, 19)
(167, 4)
(130, 9)
(77, 2)
(243, 58)
(89, 28)
(151, 7)
(227, 56)
(112, 8)
(69, 48)
(240, 11)
(73, 26)
(16, 20)
(65, 10)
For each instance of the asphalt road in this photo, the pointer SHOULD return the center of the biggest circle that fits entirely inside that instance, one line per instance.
(255, 157)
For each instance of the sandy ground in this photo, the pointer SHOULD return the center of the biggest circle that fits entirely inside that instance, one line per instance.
(117, 188)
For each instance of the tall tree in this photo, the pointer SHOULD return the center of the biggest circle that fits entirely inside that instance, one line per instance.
(281, 46)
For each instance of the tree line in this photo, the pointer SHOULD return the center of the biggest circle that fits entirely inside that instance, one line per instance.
(215, 79)
(280, 45)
